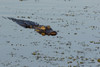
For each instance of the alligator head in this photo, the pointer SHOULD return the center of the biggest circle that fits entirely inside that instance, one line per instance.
(45, 30)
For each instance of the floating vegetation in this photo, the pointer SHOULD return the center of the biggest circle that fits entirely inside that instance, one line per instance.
(69, 15)
(76, 45)
(36, 53)
(98, 60)
(81, 62)
(69, 62)
(75, 33)
(94, 27)
(29, 17)
(22, 0)
(94, 42)
(91, 41)
(8, 41)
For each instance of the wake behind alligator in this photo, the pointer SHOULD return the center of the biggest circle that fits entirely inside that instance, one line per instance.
(41, 29)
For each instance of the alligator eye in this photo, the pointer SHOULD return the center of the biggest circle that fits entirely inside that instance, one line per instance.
(43, 28)
(30, 26)
(53, 33)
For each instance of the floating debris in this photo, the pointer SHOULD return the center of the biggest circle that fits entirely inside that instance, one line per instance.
(96, 42)
(75, 33)
(34, 53)
(98, 60)
(22, 0)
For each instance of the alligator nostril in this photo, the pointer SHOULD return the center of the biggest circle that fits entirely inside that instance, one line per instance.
(53, 33)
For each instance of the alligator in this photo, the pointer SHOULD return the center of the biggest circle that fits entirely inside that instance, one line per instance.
(41, 29)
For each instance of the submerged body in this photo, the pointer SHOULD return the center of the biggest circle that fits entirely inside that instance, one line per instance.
(41, 29)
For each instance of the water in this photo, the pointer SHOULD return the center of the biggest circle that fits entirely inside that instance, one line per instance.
(76, 45)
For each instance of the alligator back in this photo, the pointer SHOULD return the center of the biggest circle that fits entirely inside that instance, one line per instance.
(24, 23)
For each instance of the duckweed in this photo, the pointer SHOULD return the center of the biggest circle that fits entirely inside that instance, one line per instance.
(98, 60)
(69, 57)
(34, 53)
(91, 41)
(74, 59)
(81, 62)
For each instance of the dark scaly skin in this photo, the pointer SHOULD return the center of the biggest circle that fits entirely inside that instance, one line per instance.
(24, 23)
(41, 29)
